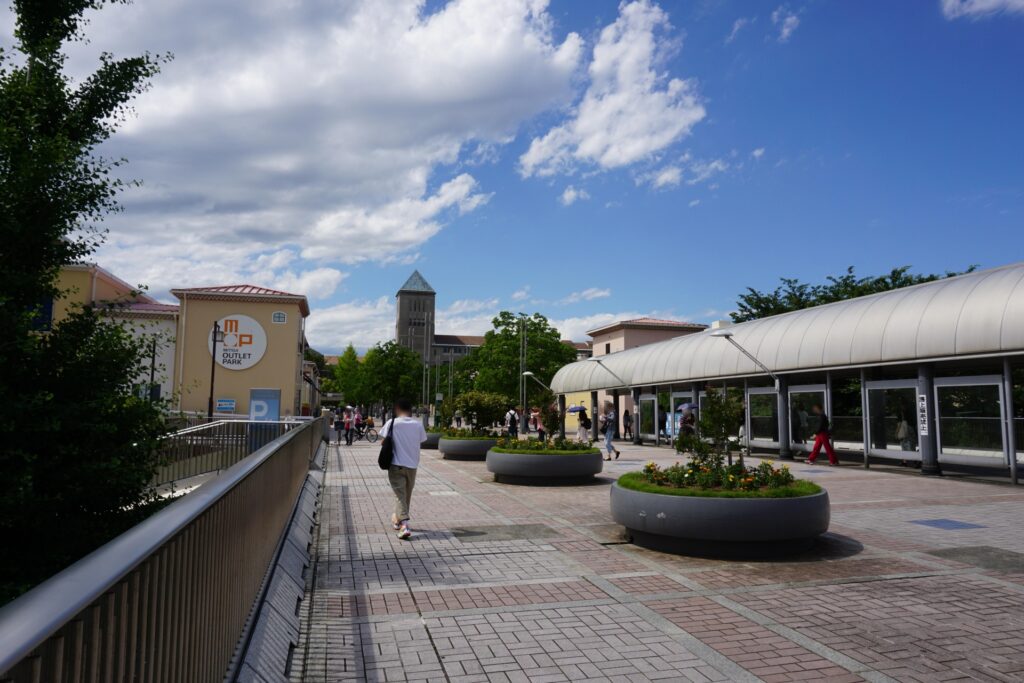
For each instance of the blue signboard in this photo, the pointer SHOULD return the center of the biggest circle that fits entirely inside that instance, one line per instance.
(265, 405)
(225, 405)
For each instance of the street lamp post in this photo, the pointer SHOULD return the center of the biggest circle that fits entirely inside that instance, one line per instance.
(218, 336)
(530, 374)
(727, 335)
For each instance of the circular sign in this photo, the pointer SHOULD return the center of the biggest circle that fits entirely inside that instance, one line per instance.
(243, 344)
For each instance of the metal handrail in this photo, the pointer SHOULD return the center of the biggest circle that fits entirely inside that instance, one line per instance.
(78, 613)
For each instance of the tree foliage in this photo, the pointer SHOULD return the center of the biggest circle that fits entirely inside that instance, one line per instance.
(389, 372)
(78, 446)
(348, 376)
(481, 408)
(496, 362)
(794, 295)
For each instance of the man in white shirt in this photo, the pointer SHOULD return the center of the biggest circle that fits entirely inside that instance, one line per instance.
(407, 433)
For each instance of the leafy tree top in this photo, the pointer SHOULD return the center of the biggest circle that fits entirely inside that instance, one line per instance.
(496, 362)
(794, 295)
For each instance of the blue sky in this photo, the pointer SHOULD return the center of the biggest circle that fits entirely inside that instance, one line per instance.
(590, 160)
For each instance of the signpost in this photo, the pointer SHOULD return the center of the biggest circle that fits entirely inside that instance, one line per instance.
(922, 414)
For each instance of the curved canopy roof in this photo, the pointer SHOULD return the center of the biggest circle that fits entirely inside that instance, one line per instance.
(974, 314)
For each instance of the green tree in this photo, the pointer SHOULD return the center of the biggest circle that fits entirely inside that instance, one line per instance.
(348, 377)
(496, 362)
(794, 295)
(78, 445)
(481, 408)
(390, 372)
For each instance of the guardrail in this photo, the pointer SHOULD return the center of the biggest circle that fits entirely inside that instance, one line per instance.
(168, 599)
(213, 446)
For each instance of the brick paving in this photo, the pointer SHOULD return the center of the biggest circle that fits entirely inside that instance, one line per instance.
(520, 583)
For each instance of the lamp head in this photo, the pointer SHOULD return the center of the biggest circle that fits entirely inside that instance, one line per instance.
(528, 374)
(722, 333)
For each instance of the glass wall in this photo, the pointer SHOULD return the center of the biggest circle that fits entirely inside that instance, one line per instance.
(646, 421)
(892, 421)
(664, 416)
(1018, 410)
(679, 399)
(847, 413)
(801, 421)
(764, 416)
(970, 417)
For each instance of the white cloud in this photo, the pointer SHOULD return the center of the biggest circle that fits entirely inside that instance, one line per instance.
(469, 306)
(975, 9)
(571, 195)
(360, 323)
(521, 294)
(319, 283)
(588, 294)
(758, 153)
(737, 26)
(629, 111)
(664, 177)
(694, 203)
(316, 127)
(703, 170)
(786, 21)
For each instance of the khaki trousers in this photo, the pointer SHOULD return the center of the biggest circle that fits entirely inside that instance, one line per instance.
(402, 480)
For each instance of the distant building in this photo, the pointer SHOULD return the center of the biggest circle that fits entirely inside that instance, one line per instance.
(619, 336)
(415, 317)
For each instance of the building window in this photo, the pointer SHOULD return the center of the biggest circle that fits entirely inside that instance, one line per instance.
(279, 317)
(607, 348)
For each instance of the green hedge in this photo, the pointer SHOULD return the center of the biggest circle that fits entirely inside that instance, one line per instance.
(801, 487)
(549, 451)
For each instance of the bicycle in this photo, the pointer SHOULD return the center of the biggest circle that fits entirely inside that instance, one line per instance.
(369, 433)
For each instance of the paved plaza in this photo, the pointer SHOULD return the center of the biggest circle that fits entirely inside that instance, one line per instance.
(919, 579)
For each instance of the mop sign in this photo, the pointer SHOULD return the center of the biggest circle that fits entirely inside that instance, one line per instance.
(244, 342)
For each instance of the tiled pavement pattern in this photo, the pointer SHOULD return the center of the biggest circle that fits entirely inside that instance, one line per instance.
(575, 602)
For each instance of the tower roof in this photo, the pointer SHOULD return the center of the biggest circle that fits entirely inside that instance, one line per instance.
(416, 283)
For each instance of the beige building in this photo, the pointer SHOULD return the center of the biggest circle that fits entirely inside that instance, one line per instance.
(258, 368)
(622, 335)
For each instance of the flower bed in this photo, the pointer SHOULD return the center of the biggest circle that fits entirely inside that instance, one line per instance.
(705, 507)
(538, 462)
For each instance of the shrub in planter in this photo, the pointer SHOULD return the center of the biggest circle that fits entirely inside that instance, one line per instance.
(466, 444)
(536, 461)
(707, 507)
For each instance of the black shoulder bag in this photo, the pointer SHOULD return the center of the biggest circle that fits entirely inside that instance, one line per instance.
(387, 448)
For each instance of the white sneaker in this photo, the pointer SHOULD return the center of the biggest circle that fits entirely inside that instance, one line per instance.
(403, 532)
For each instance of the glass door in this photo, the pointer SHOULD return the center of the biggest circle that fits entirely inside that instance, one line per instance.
(892, 419)
(681, 401)
(802, 398)
(646, 421)
(970, 420)
(763, 416)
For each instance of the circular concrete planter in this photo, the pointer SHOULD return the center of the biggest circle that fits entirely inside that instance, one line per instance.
(465, 449)
(432, 440)
(538, 468)
(720, 526)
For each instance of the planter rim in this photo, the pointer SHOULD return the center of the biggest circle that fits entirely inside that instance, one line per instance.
(559, 454)
(822, 492)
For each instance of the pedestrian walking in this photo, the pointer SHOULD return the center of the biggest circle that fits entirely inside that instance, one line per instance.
(607, 427)
(583, 425)
(458, 419)
(407, 433)
(349, 425)
(339, 425)
(688, 423)
(822, 437)
(512, 423)
(627, 425)
(539, 422)
(663, 426)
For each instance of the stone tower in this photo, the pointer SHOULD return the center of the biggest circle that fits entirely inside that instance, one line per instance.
(414, 323)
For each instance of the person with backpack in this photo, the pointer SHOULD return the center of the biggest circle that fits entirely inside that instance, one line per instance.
(512, 423)
(607, 428)
(822, 437)
(406, 433)
(584, 424)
